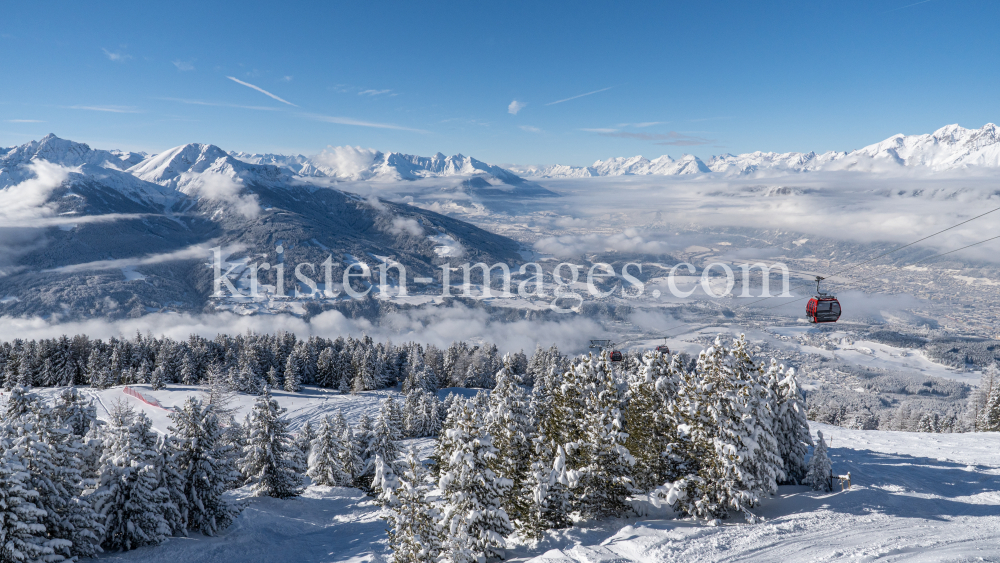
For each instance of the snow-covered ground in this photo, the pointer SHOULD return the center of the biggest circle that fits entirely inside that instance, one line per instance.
(916, 497)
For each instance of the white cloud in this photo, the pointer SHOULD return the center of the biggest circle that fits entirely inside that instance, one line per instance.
(23, 206)
(24, 121)
(359, 123)
(27, 199)
(118, 57)
(629, 240)
(221, 188)
(401, 225)
(191, 252)
(261, 90)
(108, 109)
(62, 220)
(599, 130)
(530, 129)
(286, 78)
(579, 96)
(217, 104)
(374, 92)
(438, 325)
(515, 107)
(346, 161)
(184, 66)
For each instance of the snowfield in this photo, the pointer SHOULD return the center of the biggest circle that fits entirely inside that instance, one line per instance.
(915, 497)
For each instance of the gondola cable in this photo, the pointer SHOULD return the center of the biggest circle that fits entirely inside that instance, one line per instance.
(913, 264)
(897, 249)
(668, 329)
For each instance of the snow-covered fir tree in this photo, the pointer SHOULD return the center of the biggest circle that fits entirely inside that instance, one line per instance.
(384, 483)
(326, 460)
(604, 476)
(22, 532)
(989, 416)
(293, 375)
(820, 470)
(382, 442)
(130, 501)
(415, 534)
(171, 481)
(304, 439)
(53, 457)
(474, 521)
(791, 427)
(270, 459)
(508, 421)
(548, 505)
(205, 464)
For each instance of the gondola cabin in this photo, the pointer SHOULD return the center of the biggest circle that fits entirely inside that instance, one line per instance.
(663, 350)
(616, 356)
(823, 309)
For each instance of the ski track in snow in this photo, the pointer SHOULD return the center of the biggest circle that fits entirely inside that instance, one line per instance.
(916, 497)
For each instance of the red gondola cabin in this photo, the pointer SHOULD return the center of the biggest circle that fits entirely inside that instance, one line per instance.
(663, 350)
(823, 307)
(616, 356)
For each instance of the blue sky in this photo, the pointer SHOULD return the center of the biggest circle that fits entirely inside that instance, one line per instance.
(591, 80)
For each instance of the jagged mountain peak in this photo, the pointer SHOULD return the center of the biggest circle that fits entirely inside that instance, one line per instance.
(59, 151)
(175, 166)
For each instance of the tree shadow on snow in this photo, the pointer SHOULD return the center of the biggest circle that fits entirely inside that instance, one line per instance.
(896, 485)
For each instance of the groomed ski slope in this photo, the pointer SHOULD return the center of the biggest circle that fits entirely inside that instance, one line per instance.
(916, 497)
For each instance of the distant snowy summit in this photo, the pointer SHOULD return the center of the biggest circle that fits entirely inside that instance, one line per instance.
(950, 147)
(355, 163)
(621, 166)
(175, 166)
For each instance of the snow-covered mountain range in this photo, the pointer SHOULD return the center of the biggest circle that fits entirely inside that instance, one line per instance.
(355, 163)
(87, 232)
(950, 147)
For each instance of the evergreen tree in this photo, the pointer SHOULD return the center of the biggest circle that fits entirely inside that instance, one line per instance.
(74, 411)
(989, 417)
(820, 473)
(650, 421)
(415, 535)
(350, 455)
(765, 462)
(304, 440)
(129, 499)
(22, 532)
(189, 370)
(326, 368)
(156, 379)
(548, 505)
(791, 427)
(175, 511)
(326, 460)
(204, 463)
(52, 457)
(475, 522)
(605, 480)
(270, 458)
(293, 375)
(510, 425)
(382, 442)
